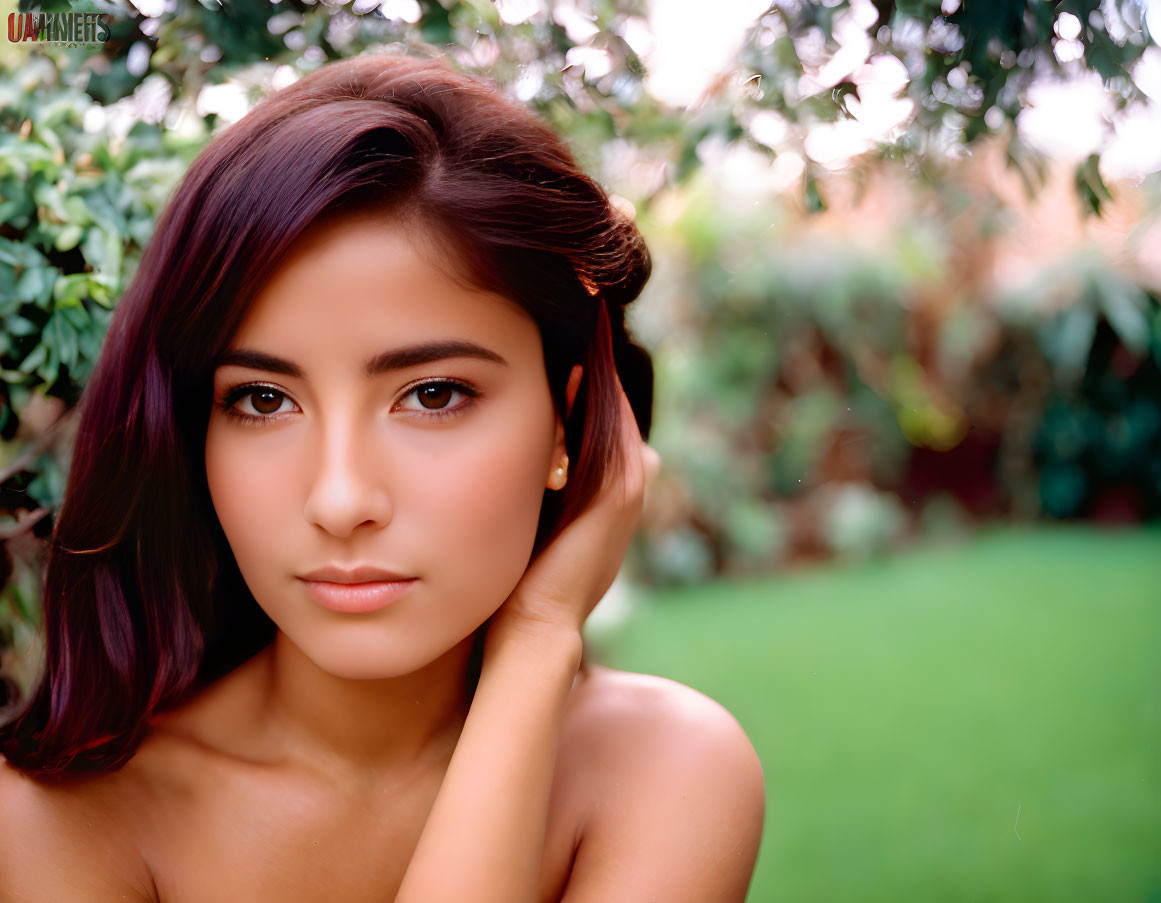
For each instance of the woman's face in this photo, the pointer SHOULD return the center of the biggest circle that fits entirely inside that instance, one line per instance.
(432, 467)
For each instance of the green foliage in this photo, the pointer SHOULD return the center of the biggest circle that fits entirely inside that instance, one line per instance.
(819, 395)
(967, 71)
(77, 207)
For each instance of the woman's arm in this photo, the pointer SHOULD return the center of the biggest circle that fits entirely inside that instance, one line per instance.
(484, 838)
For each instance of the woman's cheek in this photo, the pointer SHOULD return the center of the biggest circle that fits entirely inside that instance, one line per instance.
(248, 492)
(487, 508)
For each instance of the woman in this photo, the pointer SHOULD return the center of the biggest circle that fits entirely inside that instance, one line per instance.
(315, 593)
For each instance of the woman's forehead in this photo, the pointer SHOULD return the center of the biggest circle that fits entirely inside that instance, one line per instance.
(364, 287)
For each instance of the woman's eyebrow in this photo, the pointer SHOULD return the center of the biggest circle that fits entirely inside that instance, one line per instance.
(392, 359)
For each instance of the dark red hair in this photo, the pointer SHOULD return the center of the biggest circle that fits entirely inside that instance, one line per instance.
(143, 602)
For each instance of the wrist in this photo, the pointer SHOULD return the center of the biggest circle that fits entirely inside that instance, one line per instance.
(545, 639)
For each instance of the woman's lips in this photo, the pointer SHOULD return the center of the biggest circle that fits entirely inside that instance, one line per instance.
(354, 598)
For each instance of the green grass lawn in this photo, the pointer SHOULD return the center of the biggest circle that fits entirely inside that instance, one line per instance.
(907, 710)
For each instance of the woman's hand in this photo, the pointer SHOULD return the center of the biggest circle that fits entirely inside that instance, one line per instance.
(571, 574)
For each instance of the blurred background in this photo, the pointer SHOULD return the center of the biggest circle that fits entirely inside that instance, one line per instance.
(906, 323)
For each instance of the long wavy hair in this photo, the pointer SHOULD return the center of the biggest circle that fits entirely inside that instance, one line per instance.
(143, 602)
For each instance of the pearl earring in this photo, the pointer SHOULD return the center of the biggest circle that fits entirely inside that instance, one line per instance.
(560, 475)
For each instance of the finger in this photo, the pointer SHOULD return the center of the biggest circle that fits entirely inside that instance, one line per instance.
(651, 460)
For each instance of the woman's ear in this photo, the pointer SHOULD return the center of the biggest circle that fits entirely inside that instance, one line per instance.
(558, 477)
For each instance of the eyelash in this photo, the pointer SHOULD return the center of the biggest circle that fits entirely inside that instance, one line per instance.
(236, 393)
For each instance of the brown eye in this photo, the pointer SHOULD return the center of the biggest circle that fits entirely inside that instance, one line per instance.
(266, 401)
(434, 396)
(254, 403)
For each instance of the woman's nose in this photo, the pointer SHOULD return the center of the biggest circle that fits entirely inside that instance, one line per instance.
(347, 488)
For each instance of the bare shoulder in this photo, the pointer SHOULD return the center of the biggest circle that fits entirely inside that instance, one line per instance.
(87, 837)
(677, 794)
(66, 841)
(627, 716)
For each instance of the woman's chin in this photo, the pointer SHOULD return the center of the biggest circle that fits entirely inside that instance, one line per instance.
(366, 657)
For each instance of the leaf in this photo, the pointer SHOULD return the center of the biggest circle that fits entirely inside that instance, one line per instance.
(68, 237)
(102, 250)
(20, 254)
(63, 337)
(103, 211)
(68, 345)
(50, 369)
(70, 289)
(77, 210)
(19, 326)
(35, 359)
(35, 285)
(47, 195)
(9, 303)
(102, 287)
(78, 316)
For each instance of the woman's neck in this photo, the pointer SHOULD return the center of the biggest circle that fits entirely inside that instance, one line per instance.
(375, 726)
